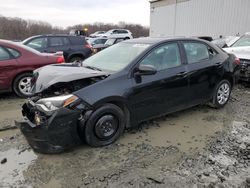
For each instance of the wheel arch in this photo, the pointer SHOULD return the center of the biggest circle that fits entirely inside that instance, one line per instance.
(18, 74)
(76, 55)
(230, 78)
(121, 103)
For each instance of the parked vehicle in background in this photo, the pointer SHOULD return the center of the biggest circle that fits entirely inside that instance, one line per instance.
(225, 41)
(97, 34)
(78, 32)
(96, 41)
(241, 48)
(121, 86)
(118, 33)
(108, 43)
(16, 65)
(73, 47)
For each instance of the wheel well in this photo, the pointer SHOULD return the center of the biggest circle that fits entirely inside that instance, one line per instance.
(12, 84)
(124, 109)
(76, 55)
(230, 79)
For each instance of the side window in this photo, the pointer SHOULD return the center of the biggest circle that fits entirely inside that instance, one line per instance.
(15, 53)
(66, 41)
(196, 52)
(38, 43)
(212, 52)
(115, 32)
(56, 41)
(164, 57)
(4, 55)
(123, 31)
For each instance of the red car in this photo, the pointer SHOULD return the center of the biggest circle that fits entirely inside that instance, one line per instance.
(17, 63)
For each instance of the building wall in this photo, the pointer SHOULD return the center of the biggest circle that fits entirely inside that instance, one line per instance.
(199, 17)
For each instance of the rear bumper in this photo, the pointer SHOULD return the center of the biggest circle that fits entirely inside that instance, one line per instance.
(57, 134)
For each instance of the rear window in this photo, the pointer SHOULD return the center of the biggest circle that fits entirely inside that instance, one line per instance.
(76, 40)
(15, 53)
(196, 52)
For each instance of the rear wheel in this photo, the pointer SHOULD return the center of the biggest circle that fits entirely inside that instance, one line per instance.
(222, 94)
(104, 126)
(76, 58)
(22, 85)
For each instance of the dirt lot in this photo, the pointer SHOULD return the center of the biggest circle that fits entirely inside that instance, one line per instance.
(199, 147)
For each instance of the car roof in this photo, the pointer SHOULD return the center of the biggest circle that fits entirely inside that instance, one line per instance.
(52, 35)
(151, 40)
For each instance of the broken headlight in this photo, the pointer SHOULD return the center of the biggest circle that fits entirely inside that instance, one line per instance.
(54, 103)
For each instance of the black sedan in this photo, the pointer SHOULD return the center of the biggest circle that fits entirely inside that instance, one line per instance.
(121, 86)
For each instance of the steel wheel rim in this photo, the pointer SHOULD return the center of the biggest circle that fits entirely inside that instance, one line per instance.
(24, 85)
(223, 93)
(106, 127)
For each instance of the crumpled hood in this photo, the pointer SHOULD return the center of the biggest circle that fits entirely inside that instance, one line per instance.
(240, 52)
(60, 73)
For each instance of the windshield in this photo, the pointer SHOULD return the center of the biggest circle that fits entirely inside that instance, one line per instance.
(115, 57)
(243, 41)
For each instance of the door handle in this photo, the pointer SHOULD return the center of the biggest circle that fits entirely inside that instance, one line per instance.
(218, 63)
(181, 74)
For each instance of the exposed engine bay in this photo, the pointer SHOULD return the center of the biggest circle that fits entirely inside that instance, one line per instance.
(63, 88)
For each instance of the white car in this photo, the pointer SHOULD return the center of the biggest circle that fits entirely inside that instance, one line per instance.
(118, 33)
(97, 34)
(241, 48)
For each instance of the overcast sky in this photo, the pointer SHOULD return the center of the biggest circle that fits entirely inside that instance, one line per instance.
(65, 13)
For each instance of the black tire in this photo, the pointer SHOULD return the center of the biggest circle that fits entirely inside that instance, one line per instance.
(76, 58)
(217, 101)
(97, 121)
(127, 38)
(16, 83)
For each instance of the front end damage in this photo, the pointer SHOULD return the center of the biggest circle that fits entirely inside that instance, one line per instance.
(244, 72)
(51, 125)
(54, 118)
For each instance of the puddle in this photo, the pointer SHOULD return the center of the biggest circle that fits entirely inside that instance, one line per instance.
(188, 130)
(12, 171)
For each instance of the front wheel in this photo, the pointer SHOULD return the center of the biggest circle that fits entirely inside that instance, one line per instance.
(222, 94)
(104, 126)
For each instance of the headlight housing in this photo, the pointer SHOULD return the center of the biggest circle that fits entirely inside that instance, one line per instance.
(54, 103)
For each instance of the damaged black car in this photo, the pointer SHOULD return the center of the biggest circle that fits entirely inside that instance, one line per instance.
(133, 81)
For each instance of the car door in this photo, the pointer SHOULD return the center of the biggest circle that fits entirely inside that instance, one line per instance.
(164, 91)
(40, 44)
(8, 65)
(204, 67)
(58, 44)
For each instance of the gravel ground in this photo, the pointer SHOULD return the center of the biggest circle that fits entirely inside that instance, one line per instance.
(199, 147)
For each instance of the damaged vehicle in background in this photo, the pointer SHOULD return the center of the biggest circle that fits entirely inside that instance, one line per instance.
(241, 48)
(110, 42)
(121, 86)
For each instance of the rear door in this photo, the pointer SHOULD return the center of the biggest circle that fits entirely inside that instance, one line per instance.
(8, 66)
(205, 69)
(58, 44)
(165, 91)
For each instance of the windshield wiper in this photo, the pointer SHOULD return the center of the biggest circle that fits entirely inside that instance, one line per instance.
(93, 68)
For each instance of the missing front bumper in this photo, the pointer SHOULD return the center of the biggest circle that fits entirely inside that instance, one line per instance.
(57, 134)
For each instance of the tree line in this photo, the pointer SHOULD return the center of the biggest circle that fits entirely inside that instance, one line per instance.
(20, 29)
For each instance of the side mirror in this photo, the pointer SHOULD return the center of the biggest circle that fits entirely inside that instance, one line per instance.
(144, 70)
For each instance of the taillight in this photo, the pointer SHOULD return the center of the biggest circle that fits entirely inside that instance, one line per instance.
(88, 46)
(237, 61)
(60, 59)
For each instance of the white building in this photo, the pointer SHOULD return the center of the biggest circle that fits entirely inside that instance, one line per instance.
(199, 17)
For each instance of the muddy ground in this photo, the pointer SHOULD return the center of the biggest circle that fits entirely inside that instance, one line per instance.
(198, 147)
